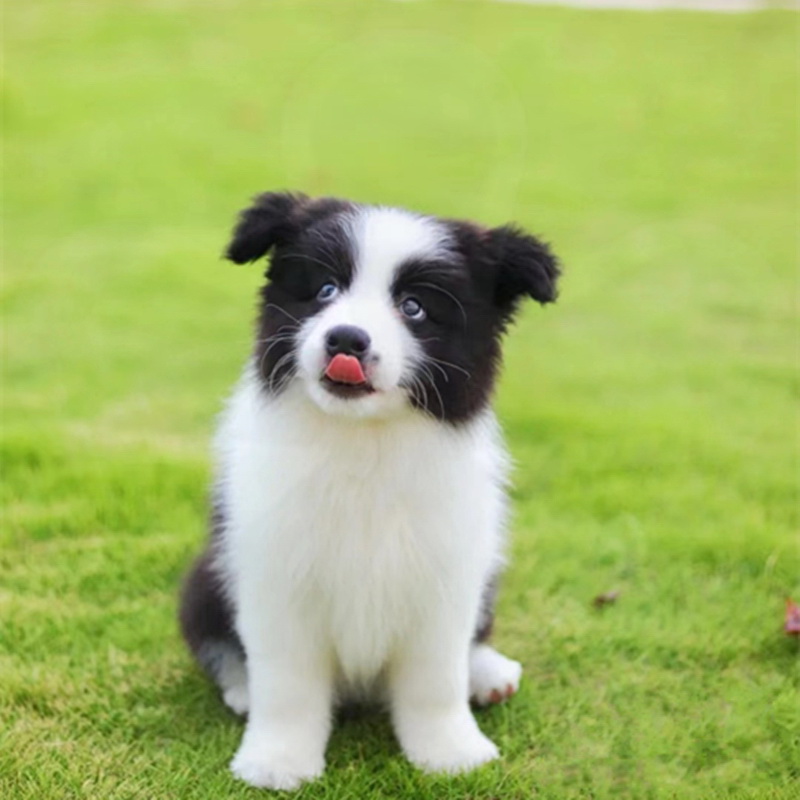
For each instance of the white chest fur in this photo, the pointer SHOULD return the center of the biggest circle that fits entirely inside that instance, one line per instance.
(365, 525)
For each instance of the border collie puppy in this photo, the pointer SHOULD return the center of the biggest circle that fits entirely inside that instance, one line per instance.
(359, 508)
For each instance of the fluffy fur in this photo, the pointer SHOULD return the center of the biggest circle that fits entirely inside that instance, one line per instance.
(358, 524)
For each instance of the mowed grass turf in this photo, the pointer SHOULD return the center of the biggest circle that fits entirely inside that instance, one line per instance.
(651, 412)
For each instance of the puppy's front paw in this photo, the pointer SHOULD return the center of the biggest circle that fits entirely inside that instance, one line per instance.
(447, 745)
(272, 766)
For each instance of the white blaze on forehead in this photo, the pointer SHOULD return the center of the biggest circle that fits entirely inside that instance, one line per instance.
(385, 238)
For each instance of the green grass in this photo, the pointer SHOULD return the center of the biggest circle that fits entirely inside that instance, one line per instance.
(651, 413)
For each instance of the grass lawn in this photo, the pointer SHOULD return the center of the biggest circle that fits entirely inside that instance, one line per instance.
(652, 412)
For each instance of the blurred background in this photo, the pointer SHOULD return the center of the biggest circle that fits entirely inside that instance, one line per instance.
(651, 412)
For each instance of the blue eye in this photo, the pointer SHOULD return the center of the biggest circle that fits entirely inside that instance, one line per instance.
(412, 308)
(328, 292)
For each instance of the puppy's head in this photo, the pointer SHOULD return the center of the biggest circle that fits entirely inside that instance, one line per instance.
(376, 310)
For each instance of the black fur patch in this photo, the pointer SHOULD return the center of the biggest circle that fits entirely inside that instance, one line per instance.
(310, 247)
(470, 299)
(206, 613)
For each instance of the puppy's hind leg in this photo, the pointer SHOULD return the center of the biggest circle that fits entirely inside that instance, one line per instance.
(206, 621)
(227, 667)
(493, 678)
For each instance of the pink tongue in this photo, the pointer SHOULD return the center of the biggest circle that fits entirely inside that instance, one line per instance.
(345, 369)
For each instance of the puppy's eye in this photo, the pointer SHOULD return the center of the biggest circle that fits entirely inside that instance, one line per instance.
(412, 309)
(327, 292)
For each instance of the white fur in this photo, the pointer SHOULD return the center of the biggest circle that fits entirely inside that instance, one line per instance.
(492, 677)
(360, 535)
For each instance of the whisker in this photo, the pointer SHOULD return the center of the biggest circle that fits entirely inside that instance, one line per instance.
(429, 375)
(415, 391)
(286, 379)
(428, 360)
(424, 398)
(437, 288)
(285, 358)
(283, 311)
(449, 364)
(283, 337)
(274, 342)
(275, 339)
(438, 394)
(325, 244)
(329, 267)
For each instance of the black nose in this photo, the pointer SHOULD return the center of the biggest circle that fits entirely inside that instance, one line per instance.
(347, 339)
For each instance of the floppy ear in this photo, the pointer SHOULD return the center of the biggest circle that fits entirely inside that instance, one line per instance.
(271, 220)
(524, 266)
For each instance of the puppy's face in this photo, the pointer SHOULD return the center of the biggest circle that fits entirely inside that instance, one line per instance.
(377, 310)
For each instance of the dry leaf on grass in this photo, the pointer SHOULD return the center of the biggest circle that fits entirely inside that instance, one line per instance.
(605, 599)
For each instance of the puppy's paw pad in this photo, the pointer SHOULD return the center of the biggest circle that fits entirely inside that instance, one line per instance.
(493, 678)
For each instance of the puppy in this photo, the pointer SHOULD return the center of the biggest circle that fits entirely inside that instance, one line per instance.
(359, 507)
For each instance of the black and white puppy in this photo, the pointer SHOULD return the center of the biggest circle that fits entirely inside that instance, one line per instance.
(359, 509)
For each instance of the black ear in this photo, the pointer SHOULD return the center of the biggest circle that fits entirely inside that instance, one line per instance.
(524, 266)
(271, 220)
